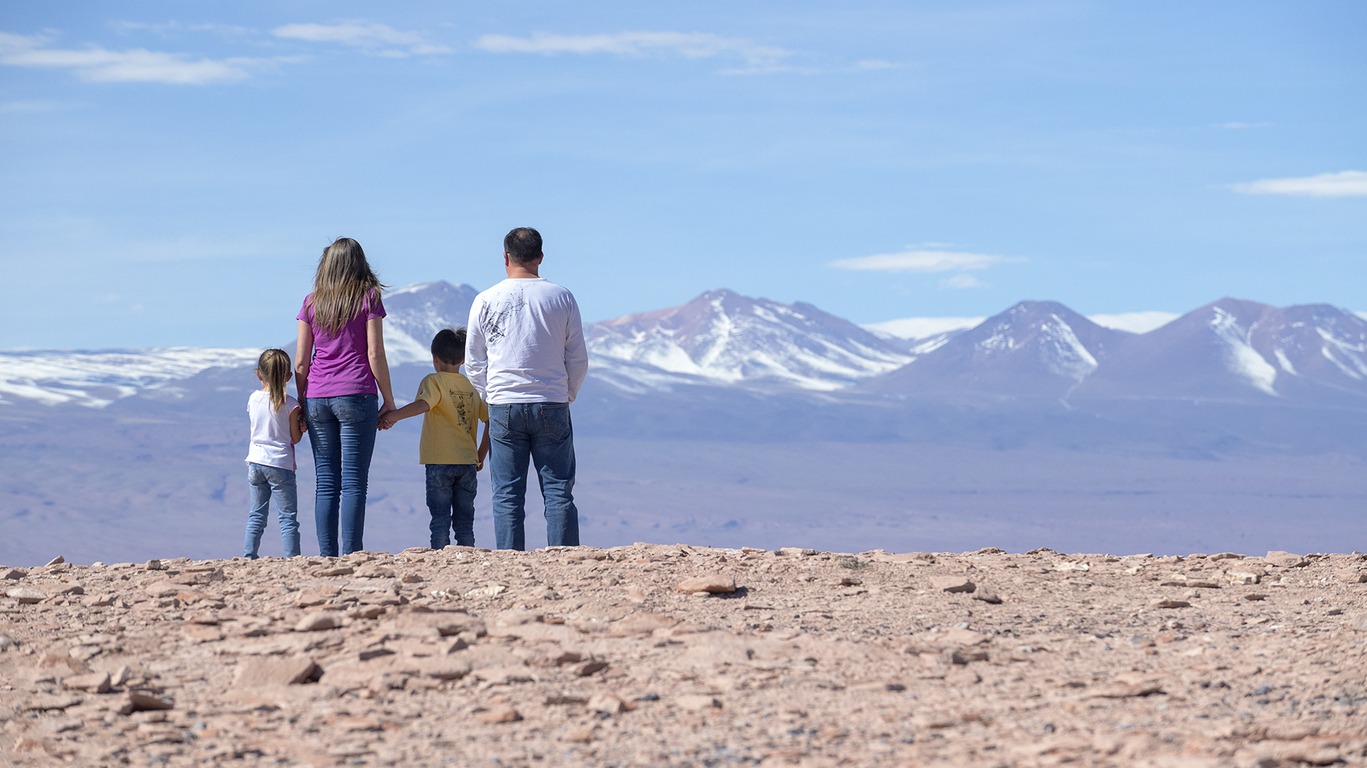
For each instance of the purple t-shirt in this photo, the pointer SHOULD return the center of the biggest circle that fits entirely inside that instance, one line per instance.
(340, 364)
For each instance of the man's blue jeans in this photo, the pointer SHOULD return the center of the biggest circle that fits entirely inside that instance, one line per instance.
(451, 500)
(342, 433)
(543, 433)
(267, 483)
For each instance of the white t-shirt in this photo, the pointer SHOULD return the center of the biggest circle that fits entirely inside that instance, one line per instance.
(525, 343)
(271, 445)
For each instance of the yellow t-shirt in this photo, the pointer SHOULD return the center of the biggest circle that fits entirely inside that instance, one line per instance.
(449, 428)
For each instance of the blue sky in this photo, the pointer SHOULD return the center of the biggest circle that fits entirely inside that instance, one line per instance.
(173, 170)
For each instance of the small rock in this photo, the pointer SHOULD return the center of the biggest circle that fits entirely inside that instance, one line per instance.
(154, 565)
(795, 552)
(696, 702)
(26, 595)
(1069, 565)
(500, 714)
(712, 584)
(95, 682)
(141, 701)
(1285, 559)
(608, 703)
(987, 596)
(317, 622)
(12, 574)
(1172, 604)
(949, 583)
(58, 560)
(263, 671)
(7, 642)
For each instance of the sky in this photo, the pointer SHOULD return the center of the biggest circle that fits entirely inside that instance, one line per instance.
(173, 170)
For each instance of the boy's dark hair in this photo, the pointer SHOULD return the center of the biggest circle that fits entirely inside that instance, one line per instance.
(448, 346)
(522, 245)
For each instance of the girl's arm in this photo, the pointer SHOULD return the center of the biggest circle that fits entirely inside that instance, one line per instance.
(296, 424)
(379, 365)
(303, 359)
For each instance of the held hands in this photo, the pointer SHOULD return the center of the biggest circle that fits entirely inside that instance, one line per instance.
(387, 420)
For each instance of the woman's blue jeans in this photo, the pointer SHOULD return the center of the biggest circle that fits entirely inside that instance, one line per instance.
(342, 433)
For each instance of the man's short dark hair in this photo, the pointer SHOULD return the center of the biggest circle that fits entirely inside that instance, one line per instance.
(522, 245)
(448, 346)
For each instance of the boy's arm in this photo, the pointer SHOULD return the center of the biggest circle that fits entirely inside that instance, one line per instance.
(415, 408)
(296, 424)
(483, 448)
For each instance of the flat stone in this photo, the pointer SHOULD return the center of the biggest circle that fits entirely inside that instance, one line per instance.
(1285, 559)
(142, 701)
(498, 715)
(952, 583)
(714, 584)
(93, 682)
(26, 595)
(317, 622)
(697, 702)
(264, 671)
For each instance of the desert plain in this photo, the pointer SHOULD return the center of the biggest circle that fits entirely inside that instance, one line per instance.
(676, 655)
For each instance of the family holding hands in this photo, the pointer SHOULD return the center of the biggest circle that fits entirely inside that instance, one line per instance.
(524, 356)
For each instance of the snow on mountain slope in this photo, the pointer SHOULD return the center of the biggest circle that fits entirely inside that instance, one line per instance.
(417, 312)
(1034, 349)
(1240, 350)
(96, 379)
(732, 339)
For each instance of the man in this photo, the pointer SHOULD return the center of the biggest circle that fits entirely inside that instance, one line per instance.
(525, 354)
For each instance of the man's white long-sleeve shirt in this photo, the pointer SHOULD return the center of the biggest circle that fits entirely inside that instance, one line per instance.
(525, 343)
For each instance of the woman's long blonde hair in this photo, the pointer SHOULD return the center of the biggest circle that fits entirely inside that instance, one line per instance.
(274, 369)
(342, 284)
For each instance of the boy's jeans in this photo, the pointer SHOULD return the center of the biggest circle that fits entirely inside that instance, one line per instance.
(451, 500)
(342, 433)
(272, 483)
(542, 432)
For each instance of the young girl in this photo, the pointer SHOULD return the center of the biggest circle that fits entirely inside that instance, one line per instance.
(276, 427)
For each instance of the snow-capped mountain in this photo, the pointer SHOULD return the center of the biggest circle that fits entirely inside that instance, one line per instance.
(417, 312)
(1237, 350)
(96, 379)
(1034, 349)
(727, 338)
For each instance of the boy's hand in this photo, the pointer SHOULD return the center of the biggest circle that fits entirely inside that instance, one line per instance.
(387, 420)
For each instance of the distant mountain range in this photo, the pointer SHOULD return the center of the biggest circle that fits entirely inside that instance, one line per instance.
(1227, 351)
(736, 421)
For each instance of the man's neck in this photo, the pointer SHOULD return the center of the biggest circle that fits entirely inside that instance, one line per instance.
(521, 273)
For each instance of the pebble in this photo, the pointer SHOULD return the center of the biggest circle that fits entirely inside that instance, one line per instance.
(715, 584)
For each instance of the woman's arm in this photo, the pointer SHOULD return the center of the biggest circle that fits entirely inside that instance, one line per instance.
(379, 365)
(303, 359)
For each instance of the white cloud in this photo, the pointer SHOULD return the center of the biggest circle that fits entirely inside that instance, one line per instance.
(755, 56)
(962, 281)
(380, 39)
(1134, 322)
(921, 261)
(1341, 184)
(98, 64)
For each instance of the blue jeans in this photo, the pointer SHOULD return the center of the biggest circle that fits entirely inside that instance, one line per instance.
(272, 483)
(342, 433)
(451, 500)
(542, 432)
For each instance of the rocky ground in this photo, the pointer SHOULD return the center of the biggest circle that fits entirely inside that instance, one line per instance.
(677, 655)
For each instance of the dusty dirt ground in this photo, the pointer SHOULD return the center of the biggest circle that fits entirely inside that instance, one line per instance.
(678, 655)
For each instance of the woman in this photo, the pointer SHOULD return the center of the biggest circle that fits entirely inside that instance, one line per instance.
(340, 364)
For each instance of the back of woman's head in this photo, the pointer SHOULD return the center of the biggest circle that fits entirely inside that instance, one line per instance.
(274, 369)
(342, 284)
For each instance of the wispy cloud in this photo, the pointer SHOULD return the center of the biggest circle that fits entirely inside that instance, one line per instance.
(921, 261)
(378, 39)
(930, 259)
(755, 57)
(1340, 184)
(98, 64)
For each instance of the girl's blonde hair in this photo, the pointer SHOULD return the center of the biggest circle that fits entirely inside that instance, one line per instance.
(274, 369)
(342, 285)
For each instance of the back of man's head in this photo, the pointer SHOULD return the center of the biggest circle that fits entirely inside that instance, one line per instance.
(448, 346)
(523, 245)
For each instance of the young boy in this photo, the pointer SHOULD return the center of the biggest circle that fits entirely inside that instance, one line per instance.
(451, 412)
